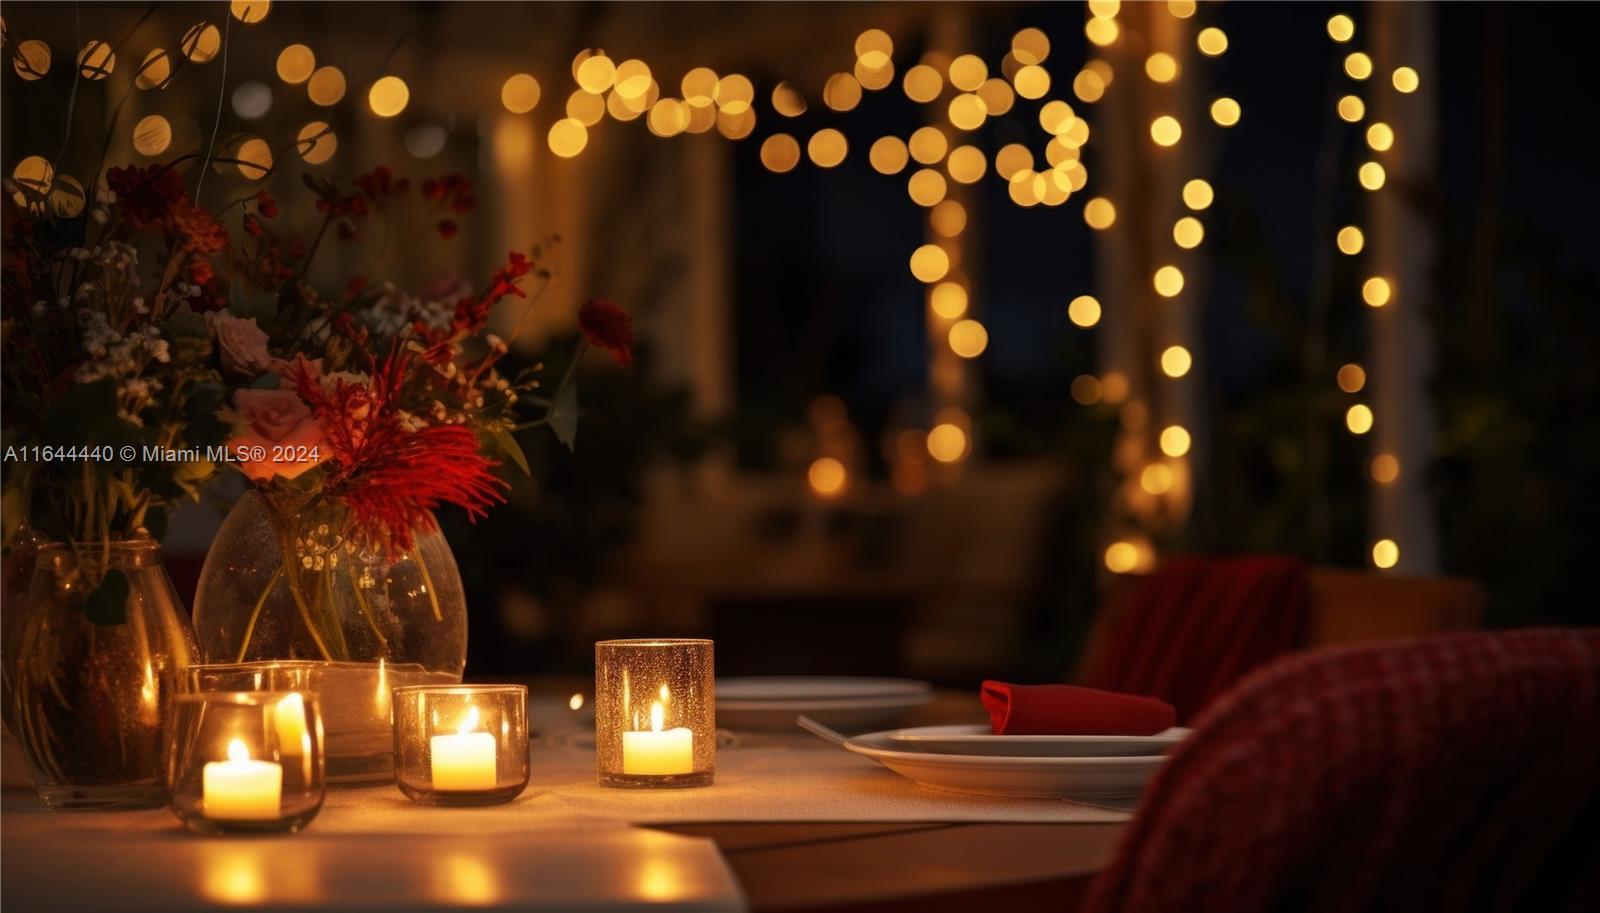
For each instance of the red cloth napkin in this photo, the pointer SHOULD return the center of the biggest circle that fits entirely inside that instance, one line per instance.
(1072, 710)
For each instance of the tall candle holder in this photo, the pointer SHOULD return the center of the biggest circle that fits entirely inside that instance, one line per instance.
(461, 744)
(245, 761)
(655, 716)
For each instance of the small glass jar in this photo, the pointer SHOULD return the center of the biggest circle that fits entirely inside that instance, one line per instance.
(461, 744)
(655, 713)
(245, 761)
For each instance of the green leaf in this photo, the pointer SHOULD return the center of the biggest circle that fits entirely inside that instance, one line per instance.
(512, 449)
(267, 381)
(185, 322)
(564, 415)
(108, 604)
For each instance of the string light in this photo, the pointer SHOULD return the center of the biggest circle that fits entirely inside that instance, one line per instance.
(1175, 441)
(1187, 232)
(1086, 390)
(1380, 136)
(827, 477)
(32, 60)
(567, 137)
(1166, 131)
(520, 93)
(1350, 240)
(1405, 80)
(780, 152)
(968, 338)
(1212, 41)
(1385, 554)
(1084, 311)
(1358, 418)
(947, 443)
(388, 96)
(827, 148)
(1351, 108)
(1358, 66)
(1176, 361)
(1376, 291)
(1341, 28)
(948, 300)
(1371, 175)
(1385, 468)
(1099, 213)
(1351, 378)
(1225, 112)
(326, 86)
(1168, 281)
(1161, 67)
(930, 263)
(1156, 478)
(1197, 194)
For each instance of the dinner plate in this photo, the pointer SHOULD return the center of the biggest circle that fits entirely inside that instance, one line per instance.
(977, 739)
(772, 702)
(1113, 779)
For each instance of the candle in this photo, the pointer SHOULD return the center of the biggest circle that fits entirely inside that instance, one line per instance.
(240, 789)
(656, 752)
(464, 762)
(289, 719)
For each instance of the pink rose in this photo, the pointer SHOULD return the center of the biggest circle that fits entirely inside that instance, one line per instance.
(274, 435)
(243, 345)
(285, 369)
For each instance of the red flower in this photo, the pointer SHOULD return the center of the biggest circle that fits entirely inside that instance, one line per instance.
(389, 477)
(198, 229)
(266, 205)
(608, 326)
(252, 225)
(201, 272)
(147, 195)
(447, 229)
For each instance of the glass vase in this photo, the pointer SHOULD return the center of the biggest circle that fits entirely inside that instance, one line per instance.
(99, 658)
(287, 580)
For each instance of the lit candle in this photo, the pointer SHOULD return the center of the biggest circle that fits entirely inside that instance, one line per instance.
(464, 762)
(657, 752)
(289, 719)
(240, 789)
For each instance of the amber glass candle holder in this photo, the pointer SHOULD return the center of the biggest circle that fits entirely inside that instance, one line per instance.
(245, 761)
(655, 712)
(461, 744)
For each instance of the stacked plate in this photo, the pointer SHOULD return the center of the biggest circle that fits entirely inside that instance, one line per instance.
(772, 703)
(1109, 768)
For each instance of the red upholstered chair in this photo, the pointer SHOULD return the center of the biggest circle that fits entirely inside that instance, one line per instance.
(1455, 773)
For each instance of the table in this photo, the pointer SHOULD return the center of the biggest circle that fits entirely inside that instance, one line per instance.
(760, 865)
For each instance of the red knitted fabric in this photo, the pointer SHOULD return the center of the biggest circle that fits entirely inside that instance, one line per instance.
(1200, 624)
(1457, 773)
(1071, 710)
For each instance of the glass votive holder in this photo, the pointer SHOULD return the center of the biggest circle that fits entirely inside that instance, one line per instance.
(461, 744)
(245, 761)
(655, 712)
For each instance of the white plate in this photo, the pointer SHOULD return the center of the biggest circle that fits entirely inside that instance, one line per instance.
(814, 687)
(1091, 779)
(979, 740)
(856, 714)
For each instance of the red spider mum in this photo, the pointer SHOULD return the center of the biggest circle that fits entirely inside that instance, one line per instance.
(609, 327)
(266, 205)
(388, 475)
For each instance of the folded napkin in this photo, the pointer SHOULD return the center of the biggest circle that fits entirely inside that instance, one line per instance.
(1072, 710)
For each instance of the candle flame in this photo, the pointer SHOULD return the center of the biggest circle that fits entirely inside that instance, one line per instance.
(238, 752)
(470, 722)
(664, 694)
(657, 716)
(576, 701)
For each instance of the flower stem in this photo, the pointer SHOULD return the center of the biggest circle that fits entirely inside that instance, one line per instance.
(427, 583)
(366, 610)
(255, 615)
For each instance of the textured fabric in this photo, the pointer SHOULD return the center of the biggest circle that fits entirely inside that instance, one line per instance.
(1071, 710)
(1199, 624)
(1457, 773)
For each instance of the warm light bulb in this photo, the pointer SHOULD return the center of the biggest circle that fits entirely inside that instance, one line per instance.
(1351, 240)
(1166, 131)
(1197, 194)
(1212, 41)
(1351, 378)
(1168, 281)
(1377, 291)
(1341, 28)
(1099, 213)
(1175, 440)
(1406, 80)
(1084, 311)
(1371, 176)
(1187, 232)
(1358, 418)
(1225, 111)
(1176, 361)
(1385, 553)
